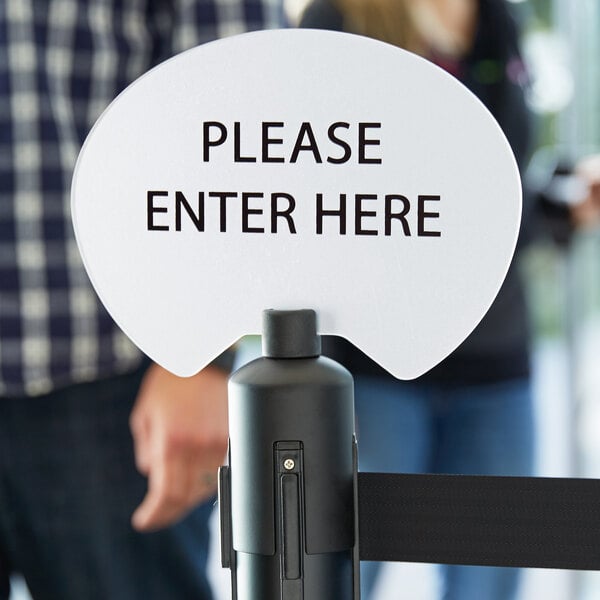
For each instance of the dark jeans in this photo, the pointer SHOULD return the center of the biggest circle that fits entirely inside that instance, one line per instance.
(68, 487)
(414, 427)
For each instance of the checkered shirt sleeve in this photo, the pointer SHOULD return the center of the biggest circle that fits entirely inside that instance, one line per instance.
(61, 63)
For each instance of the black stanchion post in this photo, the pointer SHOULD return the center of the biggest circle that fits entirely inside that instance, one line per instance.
(288, 496)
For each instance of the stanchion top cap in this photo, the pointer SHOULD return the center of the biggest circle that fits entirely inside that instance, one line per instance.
(290, 334)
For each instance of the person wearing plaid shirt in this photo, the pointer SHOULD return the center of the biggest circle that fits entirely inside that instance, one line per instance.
(73, 389)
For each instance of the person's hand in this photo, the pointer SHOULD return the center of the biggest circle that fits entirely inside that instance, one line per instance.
(587, 213)
(180, 433)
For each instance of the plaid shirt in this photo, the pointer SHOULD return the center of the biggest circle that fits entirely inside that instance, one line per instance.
(61, 63)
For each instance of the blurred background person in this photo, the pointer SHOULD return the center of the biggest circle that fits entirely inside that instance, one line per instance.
(71, 383)
(473, 413)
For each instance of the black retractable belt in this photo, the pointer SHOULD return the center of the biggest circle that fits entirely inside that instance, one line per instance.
(479, 520)
(296, 517)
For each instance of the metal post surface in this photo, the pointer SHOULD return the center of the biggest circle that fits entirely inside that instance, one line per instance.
(291, 476)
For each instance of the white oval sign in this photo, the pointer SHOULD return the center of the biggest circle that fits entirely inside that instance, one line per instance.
(297, 169)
